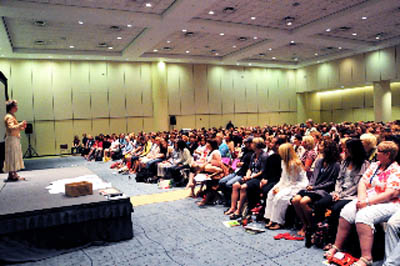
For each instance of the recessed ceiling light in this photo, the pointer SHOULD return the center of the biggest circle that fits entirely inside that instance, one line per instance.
(289, 20)
(129, 25)
(316, 54)
(86, 57)
(377, 37)
(364, 18)
(249, 64)
(187, 51)
(328, 30)
(211, 12)
(168, 41)
(80, 22)
(50, 56)
(253, 18)
(354, 34)
(291, 41)
(296, 59)
(149, 5)
(71, 46)
(255, 37)
(242, 38)
(119, 38)
(216, 53)
(234, 46)
(237, 64)
(269, 49)
(273, 58)
(222, 34)
(184, 30)
(155, 50)
(318, 61)
(261, 54)
(340, 47)
(110, 48)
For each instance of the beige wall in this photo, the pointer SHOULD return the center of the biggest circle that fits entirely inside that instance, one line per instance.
(208, 96)
(65, 98)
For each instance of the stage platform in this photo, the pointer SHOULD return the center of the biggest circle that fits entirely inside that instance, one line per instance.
(35, 224)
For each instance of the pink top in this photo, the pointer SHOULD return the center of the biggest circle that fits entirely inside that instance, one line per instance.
(378, 181)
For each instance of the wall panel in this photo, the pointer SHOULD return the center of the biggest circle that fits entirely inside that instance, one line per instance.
(117, 89)
(134, 106)
(240, 120)
(227, 89)
(345, 71)
(252, 120)
(135, 124)
(186, 121)
(358, 69)
(62, 90)
(81, 100)
(215, 120)
(187, 90)
(118, 125)
(101, 126)
(262, 91)
(64, 135)
(239, 91)
(214, 89)
(251, 77)
(263, 119)
(146, 86)
(99, 89)
(82, 126)
(200, 89)
(174, 92)
(273, 90)
(202, 121)
(372, 63)
(42, 90)
(45, 137)
(148, 124)
(21, 86)
(387, 60)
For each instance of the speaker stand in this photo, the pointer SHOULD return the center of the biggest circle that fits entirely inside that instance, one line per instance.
(30, 152)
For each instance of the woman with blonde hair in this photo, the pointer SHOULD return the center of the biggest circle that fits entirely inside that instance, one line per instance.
(292, 180)
(13, 153)
(309, 155)
(369, 142)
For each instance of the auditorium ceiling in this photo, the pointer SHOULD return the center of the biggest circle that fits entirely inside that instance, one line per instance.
(270, 33)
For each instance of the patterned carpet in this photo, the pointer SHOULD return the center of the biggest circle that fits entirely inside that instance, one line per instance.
(178, 233)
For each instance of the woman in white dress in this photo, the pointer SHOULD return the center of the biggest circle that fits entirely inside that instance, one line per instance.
(13, 153)
(293, 179)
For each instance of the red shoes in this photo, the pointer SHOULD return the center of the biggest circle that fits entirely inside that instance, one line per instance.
(288, 236)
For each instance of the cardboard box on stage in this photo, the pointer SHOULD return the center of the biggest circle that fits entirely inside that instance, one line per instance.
(78, 189)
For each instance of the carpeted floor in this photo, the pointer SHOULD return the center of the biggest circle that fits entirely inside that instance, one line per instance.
(178, 233)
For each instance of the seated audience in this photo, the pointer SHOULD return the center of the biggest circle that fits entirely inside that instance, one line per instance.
(376, 202)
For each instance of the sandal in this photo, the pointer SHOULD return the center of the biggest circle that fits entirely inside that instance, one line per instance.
(268, 225)
(229, 212)
(275, 227)
(331, 252)
(235, 216)
(365, 260)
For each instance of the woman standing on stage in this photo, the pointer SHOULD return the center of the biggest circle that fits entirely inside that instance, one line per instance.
(13, 154)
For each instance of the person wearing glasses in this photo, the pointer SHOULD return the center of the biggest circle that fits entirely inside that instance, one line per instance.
(377, 200)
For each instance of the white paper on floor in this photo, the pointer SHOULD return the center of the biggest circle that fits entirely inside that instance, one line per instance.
(59, 185)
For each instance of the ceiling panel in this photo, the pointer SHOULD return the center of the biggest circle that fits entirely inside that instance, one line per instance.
(60, 36)
(301, 51)
(157, 6)
(386, 24)
(271, 13)
(203, 44)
